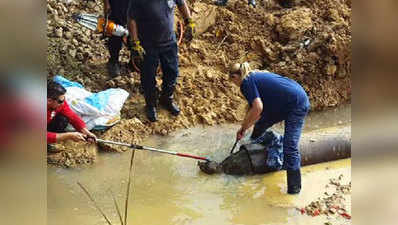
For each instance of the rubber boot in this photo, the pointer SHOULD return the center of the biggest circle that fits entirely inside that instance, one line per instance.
(293, 181)
(150, 108)
(286, 3)
(221, 2)
(113, 68)
(252, 2)
(151, 113)
(168, 103)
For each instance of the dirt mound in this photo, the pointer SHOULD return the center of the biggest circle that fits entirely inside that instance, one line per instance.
(310, 42)
(72, 154)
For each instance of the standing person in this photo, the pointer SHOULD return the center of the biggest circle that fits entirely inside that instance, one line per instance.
(151, 22)
(224, 2)
(115, 10)
(273, 98)
(59, 115)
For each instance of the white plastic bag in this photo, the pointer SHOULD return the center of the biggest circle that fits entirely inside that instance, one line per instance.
(98, 110)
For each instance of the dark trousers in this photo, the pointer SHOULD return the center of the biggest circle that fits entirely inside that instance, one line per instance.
(293, 126)
(119, 16)
(168, 57)
(58, 124)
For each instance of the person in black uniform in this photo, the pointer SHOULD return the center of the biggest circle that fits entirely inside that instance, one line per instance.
(115, 10)
(151, 22)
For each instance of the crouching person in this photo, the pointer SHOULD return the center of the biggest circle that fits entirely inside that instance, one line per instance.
(59, 115)
(273, 98)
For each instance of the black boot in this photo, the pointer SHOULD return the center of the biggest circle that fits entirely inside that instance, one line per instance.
(293, 181)
(168, 103)
(286, 3)
(151, 113)
(252, 2)
(221, 2)
(113, 68)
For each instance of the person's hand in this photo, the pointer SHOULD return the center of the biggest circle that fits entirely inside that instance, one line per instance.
(240, 134)
(190, 29)
(137, 51)
(90, 137)
(77, 136)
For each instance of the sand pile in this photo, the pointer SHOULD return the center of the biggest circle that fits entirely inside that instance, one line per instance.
(310, 42)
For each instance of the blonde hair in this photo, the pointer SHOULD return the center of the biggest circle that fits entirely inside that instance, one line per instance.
(243, 69)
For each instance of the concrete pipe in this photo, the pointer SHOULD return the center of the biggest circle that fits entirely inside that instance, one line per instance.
(317, 146)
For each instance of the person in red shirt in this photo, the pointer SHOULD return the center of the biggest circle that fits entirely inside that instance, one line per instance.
(59, 115)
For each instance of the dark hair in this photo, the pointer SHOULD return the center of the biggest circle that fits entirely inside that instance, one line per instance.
(54, 90)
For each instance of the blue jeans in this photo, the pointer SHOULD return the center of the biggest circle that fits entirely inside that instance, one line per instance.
(294, 123)
(168, 57)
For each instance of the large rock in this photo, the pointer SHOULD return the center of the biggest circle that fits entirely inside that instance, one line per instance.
(295, 23)
(204, 16)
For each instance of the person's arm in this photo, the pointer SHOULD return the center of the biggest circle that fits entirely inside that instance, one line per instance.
(74, 136)
(253, 114)
(107, 7)
(58, 137)
(132, 27)
(183, 8)
(251, 117)
(131, 24)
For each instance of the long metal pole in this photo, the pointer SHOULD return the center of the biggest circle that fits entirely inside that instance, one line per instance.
(140, 147)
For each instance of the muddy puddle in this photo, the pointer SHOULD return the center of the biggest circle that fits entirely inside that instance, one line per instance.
(172, 190)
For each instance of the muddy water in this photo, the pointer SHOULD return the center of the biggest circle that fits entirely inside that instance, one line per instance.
(171, 190)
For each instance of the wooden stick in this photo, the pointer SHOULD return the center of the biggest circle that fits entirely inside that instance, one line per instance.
(128, 188)
(95, 204)
(117, 207)
(219, 45)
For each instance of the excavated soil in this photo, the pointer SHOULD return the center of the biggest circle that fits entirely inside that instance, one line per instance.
(310, 42)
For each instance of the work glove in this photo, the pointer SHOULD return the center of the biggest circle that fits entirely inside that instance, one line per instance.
(137, 51)
(190, 29)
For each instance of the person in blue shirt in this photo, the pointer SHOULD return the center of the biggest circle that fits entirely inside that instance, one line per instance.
(273, 98)
(153, 40)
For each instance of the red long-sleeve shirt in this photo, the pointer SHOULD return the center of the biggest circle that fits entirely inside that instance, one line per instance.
(65, 110)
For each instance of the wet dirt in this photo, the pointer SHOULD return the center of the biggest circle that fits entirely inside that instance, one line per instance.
(310, 43)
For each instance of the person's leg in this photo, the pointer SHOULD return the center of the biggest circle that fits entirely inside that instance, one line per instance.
(148, 82)
(114, 43)
(169, 64)
(221, 2)
(58, 124)
(292, 158)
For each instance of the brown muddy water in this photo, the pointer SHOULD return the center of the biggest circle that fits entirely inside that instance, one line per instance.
(172, 190)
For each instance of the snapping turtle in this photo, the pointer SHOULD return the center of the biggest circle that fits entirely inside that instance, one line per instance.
(251, 158)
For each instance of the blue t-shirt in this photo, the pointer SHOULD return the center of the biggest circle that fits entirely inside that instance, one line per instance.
(280, 95)
(155, 21)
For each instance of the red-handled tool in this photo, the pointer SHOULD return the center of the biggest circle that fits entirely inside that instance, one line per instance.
(140, 147)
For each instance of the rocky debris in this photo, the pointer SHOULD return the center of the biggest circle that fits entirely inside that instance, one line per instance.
(310, 43)
(72, 154)
(331, 205)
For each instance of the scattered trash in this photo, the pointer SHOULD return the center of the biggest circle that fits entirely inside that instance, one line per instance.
(331, 204)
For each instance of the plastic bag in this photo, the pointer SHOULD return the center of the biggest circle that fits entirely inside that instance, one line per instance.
(98, 110)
